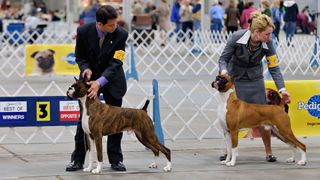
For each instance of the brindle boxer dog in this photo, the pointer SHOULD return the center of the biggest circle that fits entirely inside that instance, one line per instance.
(100, 119)
(238, 114)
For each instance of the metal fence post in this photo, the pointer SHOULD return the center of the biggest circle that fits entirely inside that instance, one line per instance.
(132, 71)
(156, 112)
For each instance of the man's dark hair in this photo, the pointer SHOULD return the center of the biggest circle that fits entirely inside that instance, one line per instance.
(105, 13)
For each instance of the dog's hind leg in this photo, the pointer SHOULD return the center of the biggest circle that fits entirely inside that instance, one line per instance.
(148, 145)
(292, 159)
(90, 151)
(167, 153)
(154, 141)
(283, 124)
(98, 142)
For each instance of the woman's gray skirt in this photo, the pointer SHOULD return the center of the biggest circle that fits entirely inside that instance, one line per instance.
(251, 91)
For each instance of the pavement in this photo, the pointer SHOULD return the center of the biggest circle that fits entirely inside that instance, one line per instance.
(191, 159)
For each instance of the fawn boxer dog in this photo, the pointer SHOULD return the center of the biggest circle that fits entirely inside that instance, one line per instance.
(100, 119)
(237, 114)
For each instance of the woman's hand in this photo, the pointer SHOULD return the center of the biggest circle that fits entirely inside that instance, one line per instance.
(286, 97)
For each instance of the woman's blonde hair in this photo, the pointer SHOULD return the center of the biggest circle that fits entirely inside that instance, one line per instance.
(232, 4)
(260, 22)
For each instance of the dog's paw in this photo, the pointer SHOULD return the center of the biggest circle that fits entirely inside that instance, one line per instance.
(224, 162)
(291, 160)
(88, 169)
(302, 163)
(167, 168)
(153, 165)
(230, 163)
(96, 171)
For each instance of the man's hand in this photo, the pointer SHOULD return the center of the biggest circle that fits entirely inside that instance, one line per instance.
(286, 97)
(93, 90)
(87, 73)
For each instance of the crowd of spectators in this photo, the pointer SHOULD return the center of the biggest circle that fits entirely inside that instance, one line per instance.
(184, 15)
(32, 13)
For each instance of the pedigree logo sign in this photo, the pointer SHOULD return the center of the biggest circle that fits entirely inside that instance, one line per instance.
(312, 106)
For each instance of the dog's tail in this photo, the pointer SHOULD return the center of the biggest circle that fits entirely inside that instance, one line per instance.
(145, 107)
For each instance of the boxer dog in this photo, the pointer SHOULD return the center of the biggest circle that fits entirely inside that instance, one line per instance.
(44, 62)
(100, 119)
(237, 114)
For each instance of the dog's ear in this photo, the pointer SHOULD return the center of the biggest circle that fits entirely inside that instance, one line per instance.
(76, 79)
(34, 54)
(85, 79)
(52, 51)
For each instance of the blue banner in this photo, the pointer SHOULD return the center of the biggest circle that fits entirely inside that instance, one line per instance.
(38, 111)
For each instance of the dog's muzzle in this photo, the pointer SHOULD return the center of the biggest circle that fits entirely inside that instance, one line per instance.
(70, 92)
(220, 83)
(46, 63)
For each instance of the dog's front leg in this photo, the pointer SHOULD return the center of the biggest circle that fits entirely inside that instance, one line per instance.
(98, 142)
(90, 151)
(234, 151)
(227, 140)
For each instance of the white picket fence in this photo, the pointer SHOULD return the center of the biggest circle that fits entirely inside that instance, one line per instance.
(188, 105)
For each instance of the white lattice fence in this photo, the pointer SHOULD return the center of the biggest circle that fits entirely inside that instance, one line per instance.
(183, 69)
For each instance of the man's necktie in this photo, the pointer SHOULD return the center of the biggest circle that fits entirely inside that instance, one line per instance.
(101, 41)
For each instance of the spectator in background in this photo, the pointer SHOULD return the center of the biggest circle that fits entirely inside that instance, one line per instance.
(245, 16)
(137, 8)
(154, 17)
(216, 16)
(5, 5)
(276, 17)
(232, 17)
(266, 8)
(240, 6)
(1, 25)
(43, 7)
(304, 21)
(175, 18)
(163, 12)
(186, 18)
(196, 13)
(88, 14)
(121, 22)
(31, 25)
(290, 19)
(28, 7)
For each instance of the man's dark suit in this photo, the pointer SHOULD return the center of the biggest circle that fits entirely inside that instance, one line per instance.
(102, 63)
